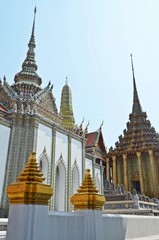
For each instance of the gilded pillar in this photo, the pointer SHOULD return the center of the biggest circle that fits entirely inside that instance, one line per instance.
(125, 164)
(153, 171)
(140, 172)
(119, 167)
(108, 169)
(114, 170)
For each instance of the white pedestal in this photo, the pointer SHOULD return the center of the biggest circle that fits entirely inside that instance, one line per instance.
(27, 222)
(93, 226)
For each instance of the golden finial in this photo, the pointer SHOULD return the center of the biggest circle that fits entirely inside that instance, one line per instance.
(31, 171)
(87, 196)
(29, 189)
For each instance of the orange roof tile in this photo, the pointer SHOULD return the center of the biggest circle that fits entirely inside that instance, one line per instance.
(91, 138)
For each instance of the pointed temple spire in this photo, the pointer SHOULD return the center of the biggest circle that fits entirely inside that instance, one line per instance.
(66, 81)
(66, 110)
(33, 22)
(28, 75)
(136, 103)
(139, 133)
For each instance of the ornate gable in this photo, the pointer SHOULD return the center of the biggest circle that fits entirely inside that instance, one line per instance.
(100, 142)
(95, 144)
(48, 101)
(5, 98)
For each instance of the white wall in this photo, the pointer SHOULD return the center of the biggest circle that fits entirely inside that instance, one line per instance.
(61, 148)
(44, 139)
(76, 155)
(89, 165)
(35, 222)
(92, 225)
(131, 226)
(4, 143)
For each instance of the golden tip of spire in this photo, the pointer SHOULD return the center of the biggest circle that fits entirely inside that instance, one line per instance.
(32, 156)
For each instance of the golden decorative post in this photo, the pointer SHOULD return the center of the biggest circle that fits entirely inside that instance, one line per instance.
(140, 172)
(114, 170)
(153, 171)
(29, 189)
(125, 172)
(87, 197)
(28, 210)
(108, 169)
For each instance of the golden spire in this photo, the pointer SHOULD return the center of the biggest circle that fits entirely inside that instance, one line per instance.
(136, 103)
(31, 172)
(87, 196)
(66, 110)
(29, 189)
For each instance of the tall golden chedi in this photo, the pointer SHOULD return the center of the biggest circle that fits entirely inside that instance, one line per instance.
(66, 110)
(135, 158)
(87, 197)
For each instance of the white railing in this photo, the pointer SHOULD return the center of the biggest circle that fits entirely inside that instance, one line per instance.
(133, 204)
(3, 228)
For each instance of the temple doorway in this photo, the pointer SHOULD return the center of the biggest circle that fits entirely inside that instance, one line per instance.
(136, 185)
(75, 179)
(60, 187)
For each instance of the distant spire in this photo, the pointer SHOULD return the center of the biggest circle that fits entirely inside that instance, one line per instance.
(32, 34)
(66, 80)
(31, 44)
(136, 103)
(66, 110)
(29, 67)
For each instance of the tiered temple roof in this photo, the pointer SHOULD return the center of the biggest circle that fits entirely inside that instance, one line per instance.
(95, 143)
(139, 135)
(27, 80)
(26, 92)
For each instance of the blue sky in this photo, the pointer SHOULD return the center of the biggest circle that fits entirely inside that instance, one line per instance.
(90, 42)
